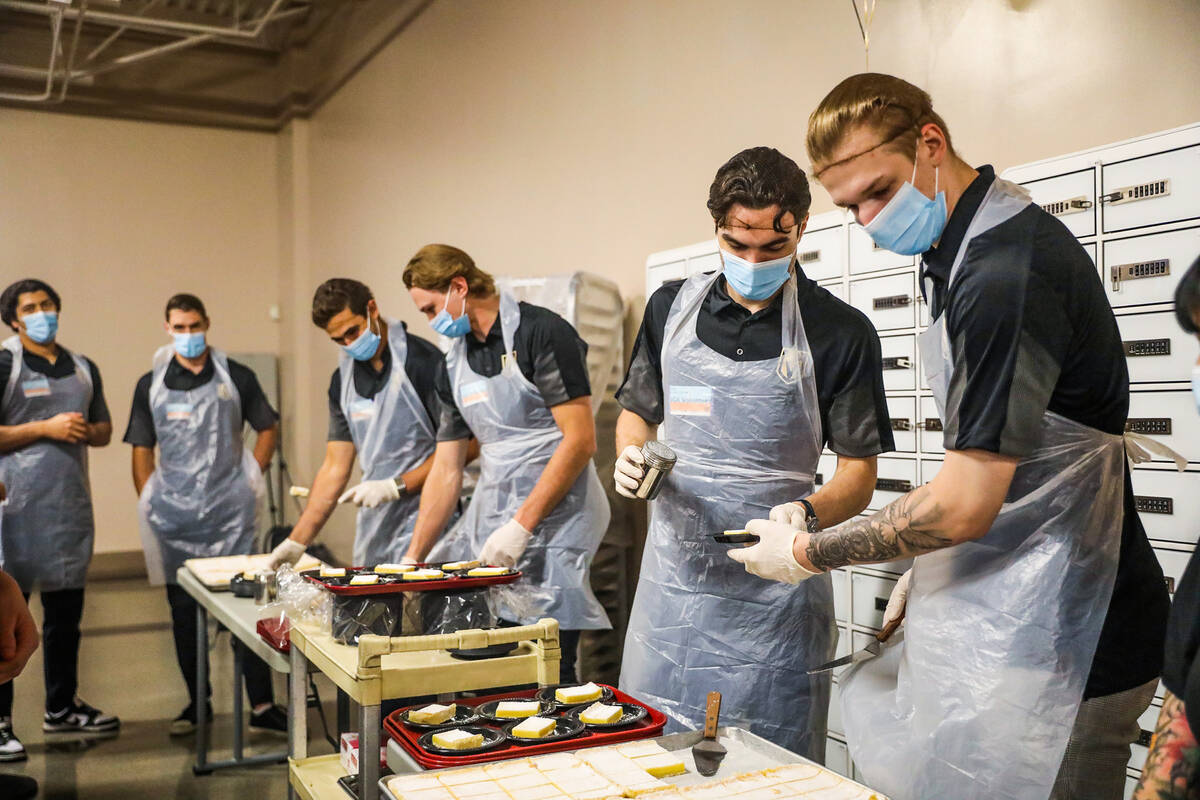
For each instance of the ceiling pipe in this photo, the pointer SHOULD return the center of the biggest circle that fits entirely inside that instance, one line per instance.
(162, 25)
(56, 18)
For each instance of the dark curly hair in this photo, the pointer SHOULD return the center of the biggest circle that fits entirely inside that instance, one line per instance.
(8, 299)
(760, 177)
(1187, 298)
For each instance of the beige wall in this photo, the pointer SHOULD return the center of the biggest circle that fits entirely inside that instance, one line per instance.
(117, 216)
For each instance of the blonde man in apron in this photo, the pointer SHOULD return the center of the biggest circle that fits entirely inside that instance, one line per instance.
(1035, 609)
(752, 370)
(516, 379)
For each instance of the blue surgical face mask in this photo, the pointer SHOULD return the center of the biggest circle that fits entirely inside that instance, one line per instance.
(189, 345)
(363, 348)
(1196, 385)
(41, 326)
(454, 327)
(755, 281)
(910, 222)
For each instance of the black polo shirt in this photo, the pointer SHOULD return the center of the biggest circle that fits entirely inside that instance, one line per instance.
(549, 354)
(421, 364)
(1030, 330)
(61, 368)
(1181, 666)
(844, 345)
(256, 409)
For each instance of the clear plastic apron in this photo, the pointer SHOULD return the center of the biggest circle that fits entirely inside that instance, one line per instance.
(517, 436)
(48, 524)
(748, 435)
(393, 435)
(977, 699)
(203, 498)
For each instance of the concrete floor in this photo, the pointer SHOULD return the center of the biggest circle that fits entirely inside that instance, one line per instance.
(127, 667)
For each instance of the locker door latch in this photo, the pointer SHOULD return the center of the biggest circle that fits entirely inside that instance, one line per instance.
(1138, 270)
(1142, 191)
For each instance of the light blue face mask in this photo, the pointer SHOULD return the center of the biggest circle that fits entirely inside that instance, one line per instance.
(363, 348)
(189, 345)
(454, 327)
(910, 222)
(1196, 385)
(41, 326)
(755, 281)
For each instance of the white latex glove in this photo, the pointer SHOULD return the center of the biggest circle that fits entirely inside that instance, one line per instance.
(286, 552)
(629, 471)
(505, 545)
(898, 598)
(793, 514)
(371, 493)
(409, 560)
(772, 557)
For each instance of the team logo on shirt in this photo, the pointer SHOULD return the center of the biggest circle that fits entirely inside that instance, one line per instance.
(37, 387)
(473, 393)
(691, 401)
(180, 411)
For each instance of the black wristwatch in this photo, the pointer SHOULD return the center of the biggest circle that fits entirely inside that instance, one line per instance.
(811, 523)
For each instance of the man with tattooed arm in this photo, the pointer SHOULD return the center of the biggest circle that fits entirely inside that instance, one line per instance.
(1035, 607)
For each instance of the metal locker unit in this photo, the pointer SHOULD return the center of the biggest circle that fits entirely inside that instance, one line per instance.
(1134, 205)
(593, 305)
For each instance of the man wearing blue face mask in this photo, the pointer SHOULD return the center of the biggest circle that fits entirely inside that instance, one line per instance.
(52, 410)
(383, 408)
(515, 378)
(202, 499)
(752, 370)
(1035, 607)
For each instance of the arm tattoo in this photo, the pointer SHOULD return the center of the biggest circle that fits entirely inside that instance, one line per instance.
(1172, 769)
(907, 527)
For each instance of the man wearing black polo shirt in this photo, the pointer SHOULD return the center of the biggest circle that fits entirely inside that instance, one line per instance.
(202, 499)
(52, 410)
(516, 379)
(753, 370)
(386, 417)
(1035, 621)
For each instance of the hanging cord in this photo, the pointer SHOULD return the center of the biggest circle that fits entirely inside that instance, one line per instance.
(864, 19)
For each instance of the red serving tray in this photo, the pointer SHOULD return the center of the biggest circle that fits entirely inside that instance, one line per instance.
(647, 728)
(453, 583)
(276, 633)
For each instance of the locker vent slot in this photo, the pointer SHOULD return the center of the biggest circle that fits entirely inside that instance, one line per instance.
(933, 424)
(899, 424)
(881, 603)
(1148, 504)
(1071, 206)
(1170, 584)
(897, 362)
(1141, 269)
(809, 257)
(1142, 191)
(1147, 347)
(893, 301)
(1151, 426)
(1144, 738)
(818, 479)
(893, 485)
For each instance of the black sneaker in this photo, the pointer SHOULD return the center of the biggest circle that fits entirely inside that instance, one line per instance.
(185, 723)
(11, 748)
(81, 718)
(18, 787)
(271, 720)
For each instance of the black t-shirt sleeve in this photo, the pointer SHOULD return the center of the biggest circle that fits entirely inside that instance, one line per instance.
(556, 354)
(451, 425)
(256, 409)
(642, 390)
(140, 431)
(6, 361)
(857, 422)
(98, 410)
(339, 426)
(1008, 338)
(421, 366)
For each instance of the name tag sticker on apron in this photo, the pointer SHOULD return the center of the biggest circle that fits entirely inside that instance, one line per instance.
(362, 409)
(691, 401)
(180, 411)
(38, 387)
(223, 392)
(473, 393)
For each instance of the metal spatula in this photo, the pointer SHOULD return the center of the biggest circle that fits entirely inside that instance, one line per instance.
(708, 752)
(870, 651)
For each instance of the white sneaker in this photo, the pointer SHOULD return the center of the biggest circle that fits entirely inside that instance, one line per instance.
(11, 748)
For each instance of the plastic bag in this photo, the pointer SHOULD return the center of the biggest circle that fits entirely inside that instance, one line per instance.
(304, 602)
(519, 602)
